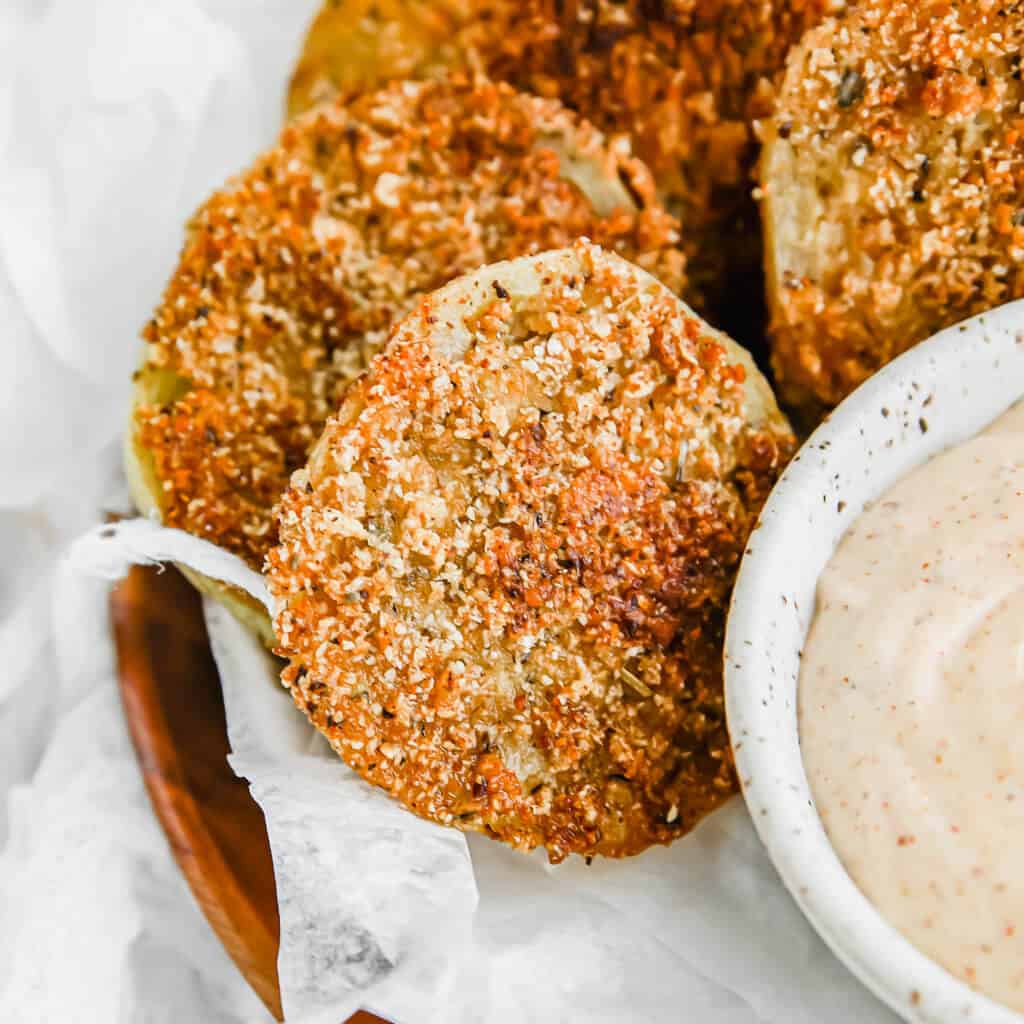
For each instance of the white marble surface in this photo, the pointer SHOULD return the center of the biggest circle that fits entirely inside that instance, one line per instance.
(115, 118)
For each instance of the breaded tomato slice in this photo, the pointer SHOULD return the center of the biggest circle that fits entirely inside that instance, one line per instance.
(685, 80)
(893, 179)
(502, 578)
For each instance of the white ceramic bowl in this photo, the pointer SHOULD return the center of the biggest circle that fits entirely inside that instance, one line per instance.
(937, 394)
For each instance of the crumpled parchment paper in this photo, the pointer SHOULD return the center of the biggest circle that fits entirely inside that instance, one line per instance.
(116, 118)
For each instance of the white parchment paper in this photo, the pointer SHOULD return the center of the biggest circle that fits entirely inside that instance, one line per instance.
(420, 923)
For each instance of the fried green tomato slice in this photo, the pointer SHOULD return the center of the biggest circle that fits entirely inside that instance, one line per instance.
(502, 578)
(293, 273)
(893, 177)
(685, 80)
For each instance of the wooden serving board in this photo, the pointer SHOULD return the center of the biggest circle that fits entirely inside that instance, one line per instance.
(175, 713)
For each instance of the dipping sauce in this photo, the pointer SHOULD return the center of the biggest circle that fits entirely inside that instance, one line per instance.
(911, 704)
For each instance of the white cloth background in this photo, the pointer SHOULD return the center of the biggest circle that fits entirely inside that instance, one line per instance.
(116, 118)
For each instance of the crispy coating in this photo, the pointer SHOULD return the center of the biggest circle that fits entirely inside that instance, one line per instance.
(893, 180)
(685, 79)
(502, 579)
(293, 273)
(356, 46)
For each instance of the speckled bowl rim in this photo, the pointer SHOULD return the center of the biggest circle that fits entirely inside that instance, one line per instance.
(937, 394)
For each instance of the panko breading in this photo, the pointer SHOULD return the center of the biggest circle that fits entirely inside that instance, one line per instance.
(293, 273)
(685, 79)
(502, 579)
(894, 187)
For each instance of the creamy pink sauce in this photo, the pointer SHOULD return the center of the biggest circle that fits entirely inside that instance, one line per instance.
(911, 705)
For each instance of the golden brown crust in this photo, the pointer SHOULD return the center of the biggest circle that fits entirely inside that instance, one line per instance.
(893, 177)
(154, 387)
(292, 274)
(356, 46)
(502, 579)
(685, 79)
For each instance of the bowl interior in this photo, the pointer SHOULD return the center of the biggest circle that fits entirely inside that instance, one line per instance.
(937, 394)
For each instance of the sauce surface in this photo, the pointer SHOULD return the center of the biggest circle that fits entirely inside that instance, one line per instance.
(911, 704)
